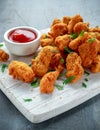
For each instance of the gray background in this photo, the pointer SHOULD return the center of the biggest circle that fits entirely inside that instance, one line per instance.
(40, 14)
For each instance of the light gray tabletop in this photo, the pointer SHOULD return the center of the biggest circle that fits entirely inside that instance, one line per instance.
(40, 14)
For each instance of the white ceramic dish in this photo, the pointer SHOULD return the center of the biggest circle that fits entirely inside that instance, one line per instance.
(25, 48)
(42, 106)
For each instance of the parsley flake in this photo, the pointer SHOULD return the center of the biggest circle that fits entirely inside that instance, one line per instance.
(82, 33)
(27, 99)
(91, 40)
(68, 80)
(62, 60)
(59, 87)
(1, 45)
(74, 35)
(4, 66)
(62, 74)
(84, 85)
(35, 83)
(86, 72)
(68, 50)
(86, 79)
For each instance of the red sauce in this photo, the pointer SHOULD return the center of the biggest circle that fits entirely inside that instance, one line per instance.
(22, 35)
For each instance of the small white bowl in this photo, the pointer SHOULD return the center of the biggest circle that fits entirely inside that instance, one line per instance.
(22, 49)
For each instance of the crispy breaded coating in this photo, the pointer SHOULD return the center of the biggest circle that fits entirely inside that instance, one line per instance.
(95, 67)
(66, 19)
(95, 35)
(46, 40)
(47, 82)
(96, 29)
(75, 19)
(74, 44)
(56, 60)
(88, 52)
(58, 29)
(62, 41)
(55, 21)
(74, 67)
(81, 26)
(41, 63)
(21, 71)
(3, 56)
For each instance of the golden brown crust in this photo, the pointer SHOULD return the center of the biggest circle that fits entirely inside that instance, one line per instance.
(47, 82)
(96, 29)
(46, 40)
(95, 67)
(58, 30)
(21, 71)
(81, 26)
(74, 67)
(75, 19)
(62, 41)
(88, 52)
(74, 44)
(66, 19)
(3, 56)
(40, 64)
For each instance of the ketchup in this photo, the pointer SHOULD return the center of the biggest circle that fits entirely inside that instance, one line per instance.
(22, 35)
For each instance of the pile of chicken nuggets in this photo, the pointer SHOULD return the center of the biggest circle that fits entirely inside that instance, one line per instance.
(70, 45)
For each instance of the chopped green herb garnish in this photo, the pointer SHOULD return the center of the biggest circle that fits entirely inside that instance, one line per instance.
(84, 85)
(91, 40)
(27, 99)
(62, 74)
(4, 66)
(30, 65)
(69, 37)
(68, 80)
(68, 50)
(62, 60)
(35, 83)
(34, 57)
(1, 45)
(86, 79)
(74, 35)
(59, 87)
(82, 33)
(46, 36)
(86, 72)
(55, 51)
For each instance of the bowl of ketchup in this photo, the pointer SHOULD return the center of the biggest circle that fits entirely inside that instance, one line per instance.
(22, 40)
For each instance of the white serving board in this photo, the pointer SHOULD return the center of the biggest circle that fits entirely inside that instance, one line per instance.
(46, 106)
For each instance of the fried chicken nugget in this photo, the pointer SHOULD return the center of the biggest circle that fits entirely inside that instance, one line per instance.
(75, 19)
(21, 71)
(74, 44)
(55, 21)
(81, 26)
(66, 19)
(58, 29)
(46, 40)
(62, 41)
(41, 63)
(74, 67)
(56, 60)
(88, 51)
(96, 29)
(95, 35)
(95, 67)
(3, 56)
(47, 82)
